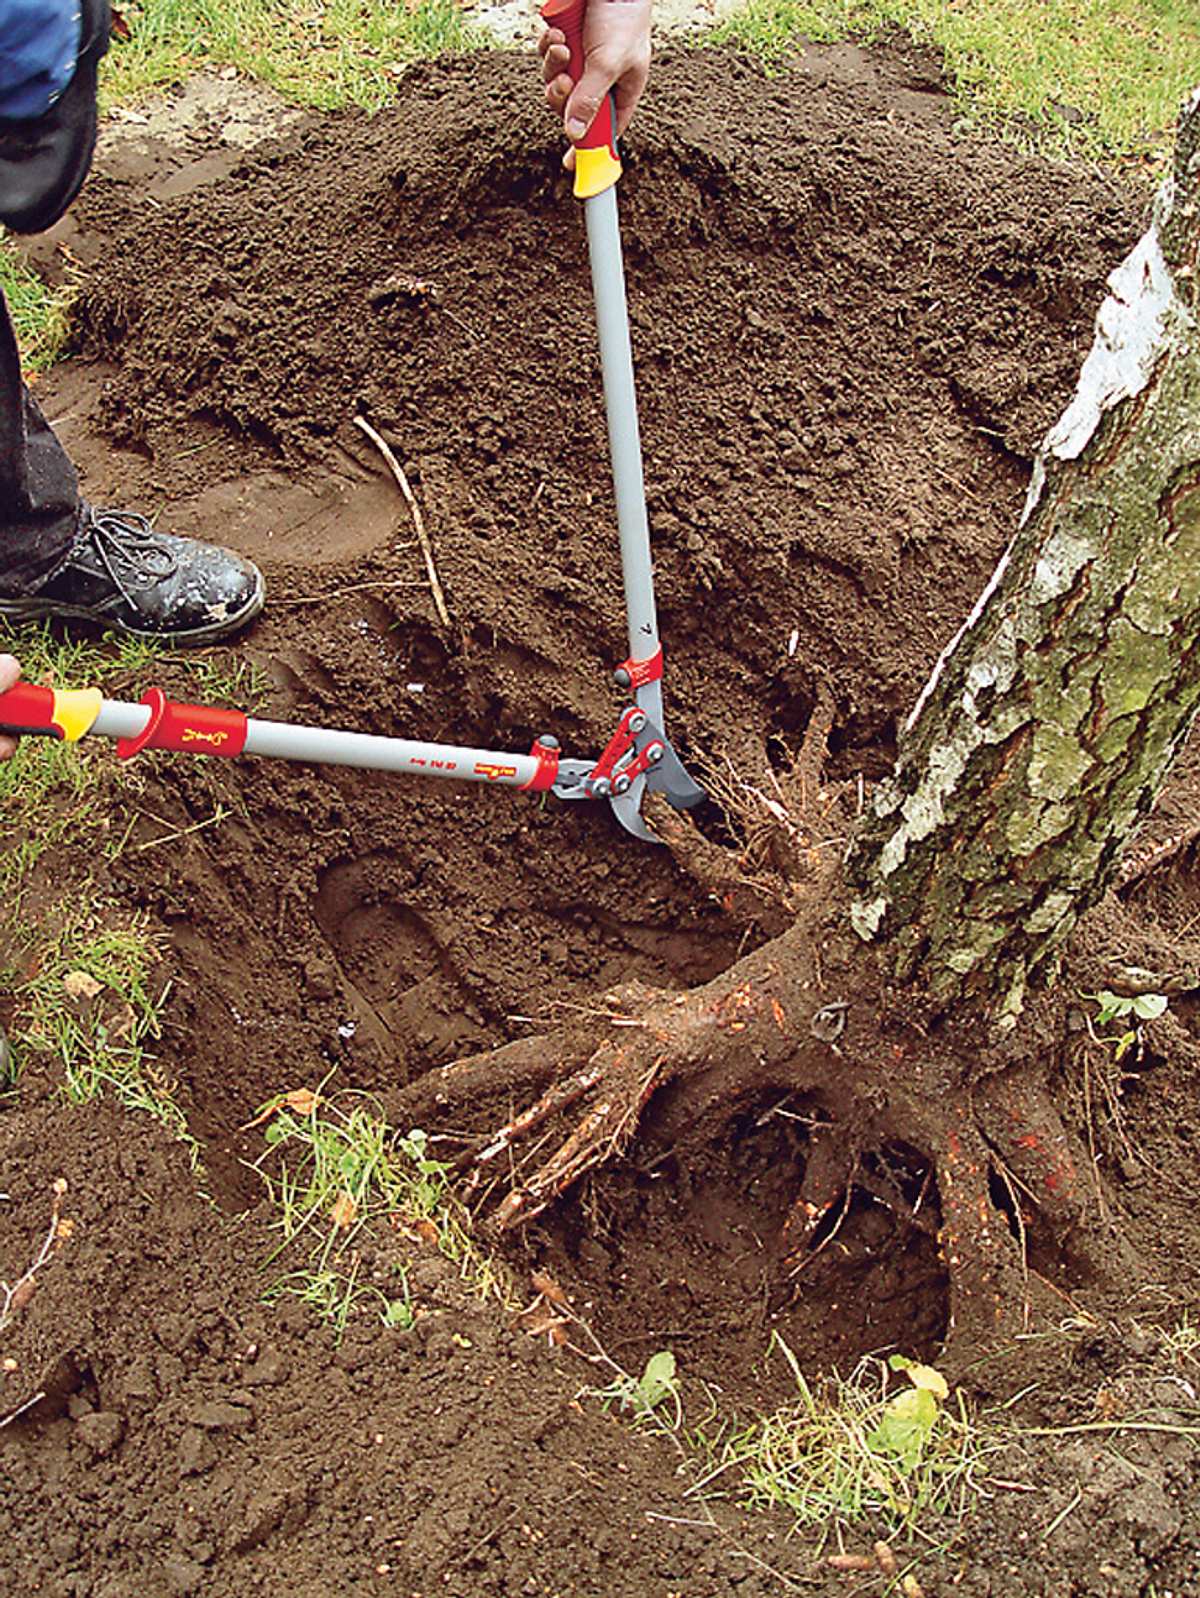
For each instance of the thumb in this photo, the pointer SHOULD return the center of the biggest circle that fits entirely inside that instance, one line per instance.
(586, 99)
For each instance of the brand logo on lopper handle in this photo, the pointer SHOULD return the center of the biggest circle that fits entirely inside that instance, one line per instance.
(194, 735)
(493, 772)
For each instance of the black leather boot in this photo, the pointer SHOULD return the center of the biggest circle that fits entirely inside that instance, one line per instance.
(124, 575)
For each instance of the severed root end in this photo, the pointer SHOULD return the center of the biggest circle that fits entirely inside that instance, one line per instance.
(788, 823)
(620, 1087)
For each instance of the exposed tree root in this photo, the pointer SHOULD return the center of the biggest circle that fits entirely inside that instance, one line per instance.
(890, 1118)
(789, 827)
(895, 1124)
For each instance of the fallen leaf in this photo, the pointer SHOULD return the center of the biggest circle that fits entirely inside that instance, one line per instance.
(301, 1101)
(544, 1283)
(22, 1293)
(929, 1380)
(81, 985)
(344, 1210)
(124, 1022)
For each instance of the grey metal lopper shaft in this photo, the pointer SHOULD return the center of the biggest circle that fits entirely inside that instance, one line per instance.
(620, 400)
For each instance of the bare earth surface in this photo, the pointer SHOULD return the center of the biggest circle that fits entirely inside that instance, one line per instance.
(851, 328)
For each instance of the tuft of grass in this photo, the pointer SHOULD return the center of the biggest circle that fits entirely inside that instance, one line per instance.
(93, 1006)
(1102, 79)
(79, 973)
(39, 312)
(854, 1448)
(333, 1170)
(330, 55)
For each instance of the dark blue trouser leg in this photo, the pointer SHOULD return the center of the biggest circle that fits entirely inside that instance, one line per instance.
(40, 509)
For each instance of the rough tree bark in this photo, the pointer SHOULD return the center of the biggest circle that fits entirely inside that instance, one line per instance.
(1041, 738)
(1049, 723)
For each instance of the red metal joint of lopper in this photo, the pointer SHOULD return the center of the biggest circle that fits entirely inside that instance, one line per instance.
(640, 672)
(546, 775)
(617, 745)
(641, 763)
(192, 729)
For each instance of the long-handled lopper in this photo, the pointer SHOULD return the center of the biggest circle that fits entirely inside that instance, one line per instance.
(638, 757)
(597, 168)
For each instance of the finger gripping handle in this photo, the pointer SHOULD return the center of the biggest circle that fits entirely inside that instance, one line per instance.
(568, 16)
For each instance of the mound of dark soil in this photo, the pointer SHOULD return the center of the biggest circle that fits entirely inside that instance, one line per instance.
(851, 327)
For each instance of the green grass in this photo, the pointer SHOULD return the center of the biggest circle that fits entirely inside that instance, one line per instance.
(39, 313)
(326, 55)
(1104, 78)
(82, 979)
(334, 1170)
(852, 1450)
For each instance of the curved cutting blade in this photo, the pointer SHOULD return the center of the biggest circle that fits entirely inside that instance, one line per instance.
(627, 808)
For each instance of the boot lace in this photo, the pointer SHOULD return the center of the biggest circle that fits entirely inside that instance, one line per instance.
(125, 543)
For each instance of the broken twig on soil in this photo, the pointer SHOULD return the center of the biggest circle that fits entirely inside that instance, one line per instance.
(439, 598)
(15, 1295)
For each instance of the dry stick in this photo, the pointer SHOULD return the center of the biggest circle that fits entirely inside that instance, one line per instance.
(354, 588)
(439, 599)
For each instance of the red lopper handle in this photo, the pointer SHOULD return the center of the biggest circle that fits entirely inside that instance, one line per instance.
(190, 729)
(594, 173)
(28, 708)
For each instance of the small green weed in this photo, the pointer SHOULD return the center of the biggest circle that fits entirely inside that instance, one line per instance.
(644, 1397)
(1121, 1007)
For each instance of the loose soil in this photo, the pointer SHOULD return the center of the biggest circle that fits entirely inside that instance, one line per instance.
(852, 326)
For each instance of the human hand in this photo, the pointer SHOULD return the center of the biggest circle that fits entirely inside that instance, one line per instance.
(616, 48)
(10, 675)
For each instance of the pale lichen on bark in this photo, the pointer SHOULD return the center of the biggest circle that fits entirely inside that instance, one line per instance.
(1048, 723)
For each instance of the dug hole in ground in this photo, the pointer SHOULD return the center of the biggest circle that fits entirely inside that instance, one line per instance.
(852, 327)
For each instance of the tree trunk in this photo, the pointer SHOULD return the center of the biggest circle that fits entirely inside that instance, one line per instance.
(1047, 727)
